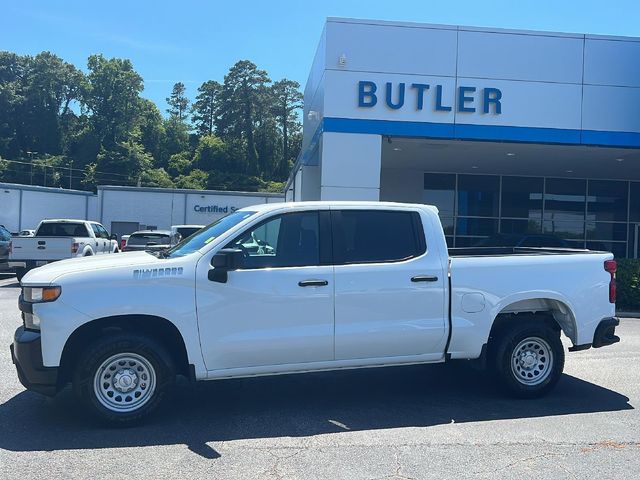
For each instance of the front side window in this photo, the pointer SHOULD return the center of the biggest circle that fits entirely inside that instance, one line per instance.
(99, 231)
(289, 240)
(375, 236)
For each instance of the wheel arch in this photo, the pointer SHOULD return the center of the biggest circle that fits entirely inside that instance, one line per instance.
(557, 312)
(157, 328)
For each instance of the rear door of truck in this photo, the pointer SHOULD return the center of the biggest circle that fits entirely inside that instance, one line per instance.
(389, 287)
(54, 240)
(41, 248)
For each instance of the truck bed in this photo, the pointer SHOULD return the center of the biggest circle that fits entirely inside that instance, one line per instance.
(509, 251)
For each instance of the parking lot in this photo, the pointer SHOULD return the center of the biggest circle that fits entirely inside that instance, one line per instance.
(433, 421)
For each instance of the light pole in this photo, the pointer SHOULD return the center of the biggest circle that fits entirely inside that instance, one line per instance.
(70, 170)
(31, 154)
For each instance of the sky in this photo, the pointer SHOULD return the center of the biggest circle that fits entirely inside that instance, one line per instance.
(192, 41)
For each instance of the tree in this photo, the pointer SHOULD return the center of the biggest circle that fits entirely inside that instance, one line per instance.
(211, 154)
(112, 96)
(156, 177)
(150, 131)
(243, 95)
(287, 100)
(176, 138)
(180, 164)
(178, 101)
(205, 108)
(197, 179)
(126, 158)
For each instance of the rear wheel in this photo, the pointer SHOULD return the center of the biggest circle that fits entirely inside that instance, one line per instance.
(123, 379)
(529, 359)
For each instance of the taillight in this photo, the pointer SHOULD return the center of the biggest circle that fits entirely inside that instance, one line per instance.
(123, 243)
(74, 247)
(611, 266)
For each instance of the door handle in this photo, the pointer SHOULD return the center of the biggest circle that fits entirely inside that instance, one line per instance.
(424, 278)
(313, 283)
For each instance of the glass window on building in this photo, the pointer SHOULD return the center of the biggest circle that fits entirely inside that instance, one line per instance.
(634, 204)
(564, 209)
(522, 197)
(440, 190)
(607, 201)
(478, 195)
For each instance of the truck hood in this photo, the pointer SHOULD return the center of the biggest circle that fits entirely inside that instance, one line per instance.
(48, 273)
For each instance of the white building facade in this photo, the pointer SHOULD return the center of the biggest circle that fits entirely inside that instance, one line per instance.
(122, 210)
(507, 132)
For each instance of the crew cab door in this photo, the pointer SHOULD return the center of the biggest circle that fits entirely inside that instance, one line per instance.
(98, 242)
(277, 308)
(389, 288)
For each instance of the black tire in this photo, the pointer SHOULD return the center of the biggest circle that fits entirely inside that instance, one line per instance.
(533, 372)
(151, 357)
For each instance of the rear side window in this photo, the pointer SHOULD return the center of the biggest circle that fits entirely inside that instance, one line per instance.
(4, 234)
(375, 236)
(62, 230)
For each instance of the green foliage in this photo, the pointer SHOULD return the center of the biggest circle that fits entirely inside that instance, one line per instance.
(206, 106)
(156, 177)
(211, 154)
(62, 127)
(180, 164)
(197, 179)
(176, 139)
(112, 95)
(628, 284)
(178, 102)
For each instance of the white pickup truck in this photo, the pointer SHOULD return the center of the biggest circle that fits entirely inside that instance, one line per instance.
(300, 287)
(57, 239)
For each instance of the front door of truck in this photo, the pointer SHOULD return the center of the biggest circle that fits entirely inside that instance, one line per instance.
(389, 288)
(277, 308)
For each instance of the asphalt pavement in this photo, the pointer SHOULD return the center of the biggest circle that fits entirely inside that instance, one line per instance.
(415, 422)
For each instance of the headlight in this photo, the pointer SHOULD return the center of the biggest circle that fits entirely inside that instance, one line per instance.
(41, 294)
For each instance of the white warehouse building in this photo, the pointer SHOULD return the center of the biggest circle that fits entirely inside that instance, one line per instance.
(122, 210)
(506, 132)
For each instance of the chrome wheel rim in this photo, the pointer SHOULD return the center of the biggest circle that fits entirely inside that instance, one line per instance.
(532, 361)
(124, 382)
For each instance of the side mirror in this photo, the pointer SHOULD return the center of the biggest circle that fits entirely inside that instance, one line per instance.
(113, 236)
(224, 261)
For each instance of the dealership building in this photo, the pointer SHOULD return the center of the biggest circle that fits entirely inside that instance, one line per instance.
(508, 132)
(505, 131)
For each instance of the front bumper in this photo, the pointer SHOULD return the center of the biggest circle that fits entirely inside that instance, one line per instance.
(604, 335)
(26, 354)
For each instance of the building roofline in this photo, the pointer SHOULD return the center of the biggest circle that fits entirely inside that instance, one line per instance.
(470, 28)
(187, 190)
(38, 188)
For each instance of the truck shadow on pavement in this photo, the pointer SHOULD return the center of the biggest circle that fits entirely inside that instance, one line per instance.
(295, 406)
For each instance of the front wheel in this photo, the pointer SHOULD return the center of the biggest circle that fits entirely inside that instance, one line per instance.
(123, 379)
(529, 359)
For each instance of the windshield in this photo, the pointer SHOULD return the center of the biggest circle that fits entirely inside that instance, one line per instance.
(208, 234)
